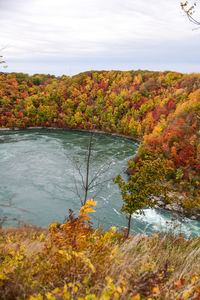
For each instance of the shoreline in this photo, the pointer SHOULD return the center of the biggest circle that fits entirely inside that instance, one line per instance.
(177, 209)
(73, 129)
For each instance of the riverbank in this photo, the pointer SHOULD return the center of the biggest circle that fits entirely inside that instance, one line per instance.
(176, 208)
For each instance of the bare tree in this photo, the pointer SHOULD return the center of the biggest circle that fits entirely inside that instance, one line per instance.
(2, 62)
(88, 183)
(189, 8)
(88, 168)
(90, 179)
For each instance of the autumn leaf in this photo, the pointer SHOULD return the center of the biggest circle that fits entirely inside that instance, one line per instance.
(179, 283)
(187, 294)
(155, 290)
(136, 297)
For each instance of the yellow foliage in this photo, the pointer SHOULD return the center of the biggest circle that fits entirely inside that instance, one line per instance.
(116, 295)
(136, 297)
(155, 290)
(119, 289)
(87, 208)
(187, 293)
(50, 297)
(158, 129)
(188, 105)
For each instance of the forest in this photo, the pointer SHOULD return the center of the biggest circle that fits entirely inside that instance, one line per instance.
(159, 109)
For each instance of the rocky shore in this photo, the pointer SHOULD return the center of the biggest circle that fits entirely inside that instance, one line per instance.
(177, 208)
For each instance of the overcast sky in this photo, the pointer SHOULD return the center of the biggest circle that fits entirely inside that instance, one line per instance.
(71, 36)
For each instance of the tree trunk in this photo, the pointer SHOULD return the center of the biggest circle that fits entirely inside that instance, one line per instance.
(129, 226)
(88, 168)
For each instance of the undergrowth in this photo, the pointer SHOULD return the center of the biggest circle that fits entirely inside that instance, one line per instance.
(73, 261)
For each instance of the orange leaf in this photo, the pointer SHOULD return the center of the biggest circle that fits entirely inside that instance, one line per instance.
(155, 290)
(155, 235)
(197, 288)
(178, 284)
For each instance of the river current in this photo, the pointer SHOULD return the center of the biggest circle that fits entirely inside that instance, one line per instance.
(41, 176)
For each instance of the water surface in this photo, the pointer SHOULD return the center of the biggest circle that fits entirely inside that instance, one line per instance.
(40, 173)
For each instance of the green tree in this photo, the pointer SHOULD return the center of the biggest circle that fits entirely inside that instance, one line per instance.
(147, 181)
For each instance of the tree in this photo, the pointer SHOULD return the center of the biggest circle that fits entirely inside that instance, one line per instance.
(147, 181)
(189, 9)
(89, 182)
(89, 179)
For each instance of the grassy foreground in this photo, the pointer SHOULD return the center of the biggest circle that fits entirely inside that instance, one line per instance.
(73, 261)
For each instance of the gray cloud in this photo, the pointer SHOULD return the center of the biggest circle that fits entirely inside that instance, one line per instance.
(61, 36)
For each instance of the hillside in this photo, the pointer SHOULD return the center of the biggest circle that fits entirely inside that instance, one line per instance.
(161, 109)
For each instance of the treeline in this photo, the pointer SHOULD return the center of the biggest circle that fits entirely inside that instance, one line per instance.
(160, 108)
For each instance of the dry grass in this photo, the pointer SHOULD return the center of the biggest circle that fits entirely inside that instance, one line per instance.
(36, 264)
(174, 260)
(25, 237)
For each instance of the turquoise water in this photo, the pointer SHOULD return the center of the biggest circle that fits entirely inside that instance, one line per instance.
(40, 176)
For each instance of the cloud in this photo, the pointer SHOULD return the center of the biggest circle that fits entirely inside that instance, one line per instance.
(95, 33)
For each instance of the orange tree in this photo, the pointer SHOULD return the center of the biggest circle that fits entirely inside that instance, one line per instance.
(147, 180)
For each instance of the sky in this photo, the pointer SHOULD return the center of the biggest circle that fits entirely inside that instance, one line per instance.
(72, 36)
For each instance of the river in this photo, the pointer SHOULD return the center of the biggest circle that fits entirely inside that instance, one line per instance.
(40, 178)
